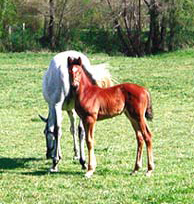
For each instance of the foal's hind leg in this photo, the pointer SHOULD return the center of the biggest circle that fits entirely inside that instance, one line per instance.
(147, 136)
(138, 163)
(142, 134)
(140, 142)
(72, 117)
(150, 157)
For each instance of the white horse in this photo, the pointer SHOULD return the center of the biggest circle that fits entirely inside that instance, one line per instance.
(58, 94)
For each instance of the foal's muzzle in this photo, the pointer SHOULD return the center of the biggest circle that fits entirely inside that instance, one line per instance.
(75, 84)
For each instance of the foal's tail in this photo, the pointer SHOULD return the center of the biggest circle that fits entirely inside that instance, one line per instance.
(149, 111)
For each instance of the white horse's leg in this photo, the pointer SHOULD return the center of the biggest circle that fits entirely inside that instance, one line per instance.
(81, 134)
(57, 133)
(73, 130)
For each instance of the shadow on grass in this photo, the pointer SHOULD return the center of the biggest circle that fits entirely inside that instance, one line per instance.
(108, 171)
(45, 172)
(14, 163)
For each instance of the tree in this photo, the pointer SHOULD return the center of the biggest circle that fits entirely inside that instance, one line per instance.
(51, 27)
(126, 16)
(137, 27)
(7, 15)
(153, 42)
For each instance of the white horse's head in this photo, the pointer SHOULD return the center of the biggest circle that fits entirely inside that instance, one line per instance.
(50, 139)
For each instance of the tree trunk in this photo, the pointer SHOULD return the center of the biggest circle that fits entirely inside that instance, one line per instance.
(163, 33)
(172, 26)
(153, 42)
(45, 27)
(61, 21)
(51, 27)
(120, 32)
(127, 27)
(139, 44)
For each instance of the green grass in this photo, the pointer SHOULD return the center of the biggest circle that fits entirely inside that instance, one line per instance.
(24, 176)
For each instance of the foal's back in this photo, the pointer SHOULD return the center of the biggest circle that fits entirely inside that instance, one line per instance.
(112, 101)
(121, 93)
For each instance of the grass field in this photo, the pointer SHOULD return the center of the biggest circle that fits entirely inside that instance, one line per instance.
(24, 176)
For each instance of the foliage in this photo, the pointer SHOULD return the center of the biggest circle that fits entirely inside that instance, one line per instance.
(136, 27)
(94, 41)
(7, 15)
(185, 20)
(22, 40)
(23, 168)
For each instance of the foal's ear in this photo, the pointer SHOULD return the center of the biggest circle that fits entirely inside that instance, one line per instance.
(69, 61)
(79, 61)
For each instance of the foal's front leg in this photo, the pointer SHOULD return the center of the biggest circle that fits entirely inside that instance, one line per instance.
(89, 129)
(81, 133)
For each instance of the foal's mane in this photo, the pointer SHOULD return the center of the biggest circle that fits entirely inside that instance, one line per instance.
(89, 75)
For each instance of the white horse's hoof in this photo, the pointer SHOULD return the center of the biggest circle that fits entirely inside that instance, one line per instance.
(75, 158)
(55, 170)
(84, 167)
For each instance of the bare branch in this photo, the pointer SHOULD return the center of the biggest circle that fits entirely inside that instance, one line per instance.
(146, 2)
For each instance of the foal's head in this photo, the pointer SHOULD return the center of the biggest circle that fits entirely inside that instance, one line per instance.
(75, 69)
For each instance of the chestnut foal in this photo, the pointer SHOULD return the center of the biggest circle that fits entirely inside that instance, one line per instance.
(93, 103)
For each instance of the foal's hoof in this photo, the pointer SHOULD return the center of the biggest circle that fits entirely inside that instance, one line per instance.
(89, 174)
(149, 173)
(133, 173)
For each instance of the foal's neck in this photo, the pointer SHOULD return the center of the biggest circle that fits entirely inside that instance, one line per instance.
(85, 82)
